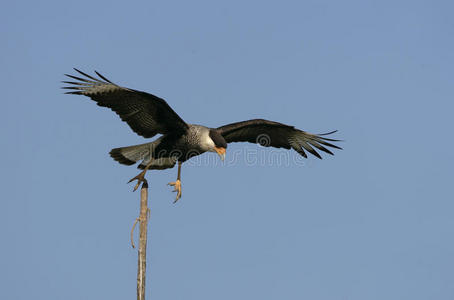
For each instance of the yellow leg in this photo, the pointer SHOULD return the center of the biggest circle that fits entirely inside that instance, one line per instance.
(140, 177)
(177, 184)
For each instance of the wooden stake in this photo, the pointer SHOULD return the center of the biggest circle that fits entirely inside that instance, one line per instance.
(142, 255)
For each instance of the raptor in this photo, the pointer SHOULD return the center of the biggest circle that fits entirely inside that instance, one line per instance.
(149, 115)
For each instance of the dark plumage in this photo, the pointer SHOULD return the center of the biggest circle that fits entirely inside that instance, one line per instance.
(148, 115)
(278, 135)
(217, 138)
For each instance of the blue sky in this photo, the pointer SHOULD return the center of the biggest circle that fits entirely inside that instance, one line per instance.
(373, 222)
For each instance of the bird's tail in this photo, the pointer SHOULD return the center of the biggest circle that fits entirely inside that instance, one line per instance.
(144, 152)
(132, 154)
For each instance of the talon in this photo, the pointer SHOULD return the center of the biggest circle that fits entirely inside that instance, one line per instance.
(140, 178)
(177, 188)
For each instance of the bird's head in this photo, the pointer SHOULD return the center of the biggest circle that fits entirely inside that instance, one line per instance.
(219, 143)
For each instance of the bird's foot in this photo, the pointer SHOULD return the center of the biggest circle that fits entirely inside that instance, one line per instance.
(177, 188)
(140, 178)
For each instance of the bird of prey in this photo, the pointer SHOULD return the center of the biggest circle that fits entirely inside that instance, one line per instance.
(149, 115)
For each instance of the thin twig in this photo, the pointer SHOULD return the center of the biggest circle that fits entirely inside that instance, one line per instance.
(132, 232)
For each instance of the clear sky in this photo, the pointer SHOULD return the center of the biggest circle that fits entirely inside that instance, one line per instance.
(373, 222)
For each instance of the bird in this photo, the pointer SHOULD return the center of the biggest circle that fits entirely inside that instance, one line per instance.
(149, 115)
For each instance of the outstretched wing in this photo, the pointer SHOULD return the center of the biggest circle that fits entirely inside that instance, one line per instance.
(274, 134)
(146, 114)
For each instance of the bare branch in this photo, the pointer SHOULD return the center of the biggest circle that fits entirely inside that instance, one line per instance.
(142, 261)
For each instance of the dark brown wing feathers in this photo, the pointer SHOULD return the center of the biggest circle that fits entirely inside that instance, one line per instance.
(146, 114)
(274, 134)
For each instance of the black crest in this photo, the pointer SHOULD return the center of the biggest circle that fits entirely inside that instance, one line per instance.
(217, 138)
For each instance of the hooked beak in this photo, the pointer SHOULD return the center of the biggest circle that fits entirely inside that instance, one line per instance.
(221, 152)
